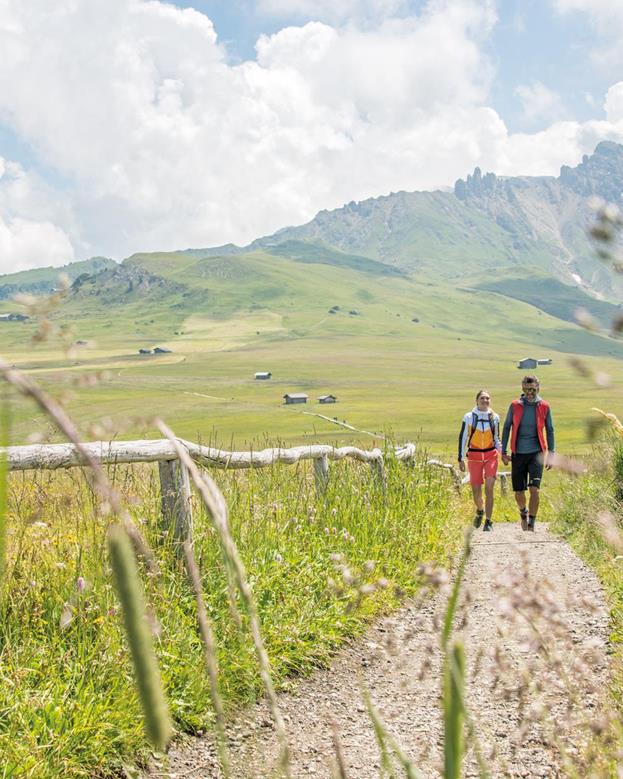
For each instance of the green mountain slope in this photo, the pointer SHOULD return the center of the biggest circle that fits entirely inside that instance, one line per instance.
(406, 351)
(40, 281)
(164, 296)
(554, 297)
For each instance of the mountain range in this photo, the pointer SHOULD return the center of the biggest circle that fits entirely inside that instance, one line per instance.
(522, 237)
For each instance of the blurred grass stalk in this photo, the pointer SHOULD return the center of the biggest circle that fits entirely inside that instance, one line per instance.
(386, 741)
(4, 443)
(155, 710)
(208, 642)
(453, 710)
(454, 678)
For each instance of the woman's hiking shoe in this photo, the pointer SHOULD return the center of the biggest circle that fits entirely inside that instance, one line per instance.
(488, 525)
(478, 518)
(523, 513)
(531, 521)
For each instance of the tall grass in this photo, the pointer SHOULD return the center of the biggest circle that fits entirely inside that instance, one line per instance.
(4, 442)
(319, 570)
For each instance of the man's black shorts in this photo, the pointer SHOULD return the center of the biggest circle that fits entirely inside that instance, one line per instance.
(526, 471)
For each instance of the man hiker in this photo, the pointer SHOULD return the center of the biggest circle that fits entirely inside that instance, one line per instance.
(532, 438)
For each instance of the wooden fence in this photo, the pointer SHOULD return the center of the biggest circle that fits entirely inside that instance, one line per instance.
(174, 479)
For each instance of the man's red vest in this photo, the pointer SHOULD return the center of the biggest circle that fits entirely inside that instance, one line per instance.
(541, 415)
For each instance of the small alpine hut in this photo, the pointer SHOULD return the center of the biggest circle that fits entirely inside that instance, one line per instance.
(263, 375)
(531, 362)
(295, 397)
(144, 351)
(327, 399)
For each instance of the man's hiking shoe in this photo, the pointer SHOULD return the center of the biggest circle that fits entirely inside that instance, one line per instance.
(488, 525)
(478, 518)
(531, 521)
(523, 513)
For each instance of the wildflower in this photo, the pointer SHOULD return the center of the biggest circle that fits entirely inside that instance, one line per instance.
(333, 511)
(347, 575)
(81, 584)
(66, 616)
(277, 557)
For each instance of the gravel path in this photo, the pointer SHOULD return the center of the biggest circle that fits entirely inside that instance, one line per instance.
(535, 629)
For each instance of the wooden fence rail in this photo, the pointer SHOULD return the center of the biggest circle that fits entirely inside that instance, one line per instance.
(174, 481)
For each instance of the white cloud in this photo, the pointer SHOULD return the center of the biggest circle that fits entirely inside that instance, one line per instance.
(164, 144)
(614, 103)
(30, 213)
(539, 102)
(26, 244)
(606, 16)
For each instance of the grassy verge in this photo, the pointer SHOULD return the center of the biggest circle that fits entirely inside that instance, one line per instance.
(580, 502)
(320, 569)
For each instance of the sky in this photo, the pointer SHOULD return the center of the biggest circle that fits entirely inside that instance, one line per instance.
(138, 125)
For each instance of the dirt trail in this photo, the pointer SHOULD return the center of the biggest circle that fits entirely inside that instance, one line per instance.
(531, 692)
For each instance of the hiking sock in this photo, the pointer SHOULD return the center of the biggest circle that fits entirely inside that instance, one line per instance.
(488, 525)
(531, 521)
(523, 513)
(478, 518)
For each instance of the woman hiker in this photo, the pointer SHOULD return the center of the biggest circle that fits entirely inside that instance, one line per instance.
(479, 440)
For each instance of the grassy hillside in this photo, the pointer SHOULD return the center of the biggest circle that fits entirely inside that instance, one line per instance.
(552, 296)
(39, 281)
(409, 356)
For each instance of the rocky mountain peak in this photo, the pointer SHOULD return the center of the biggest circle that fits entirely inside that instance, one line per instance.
(476, 184)
(599, 174)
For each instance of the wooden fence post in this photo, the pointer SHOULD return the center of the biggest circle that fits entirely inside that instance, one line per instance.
(378, 471)
(503, 483)
(321, 473)
(175, 499)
